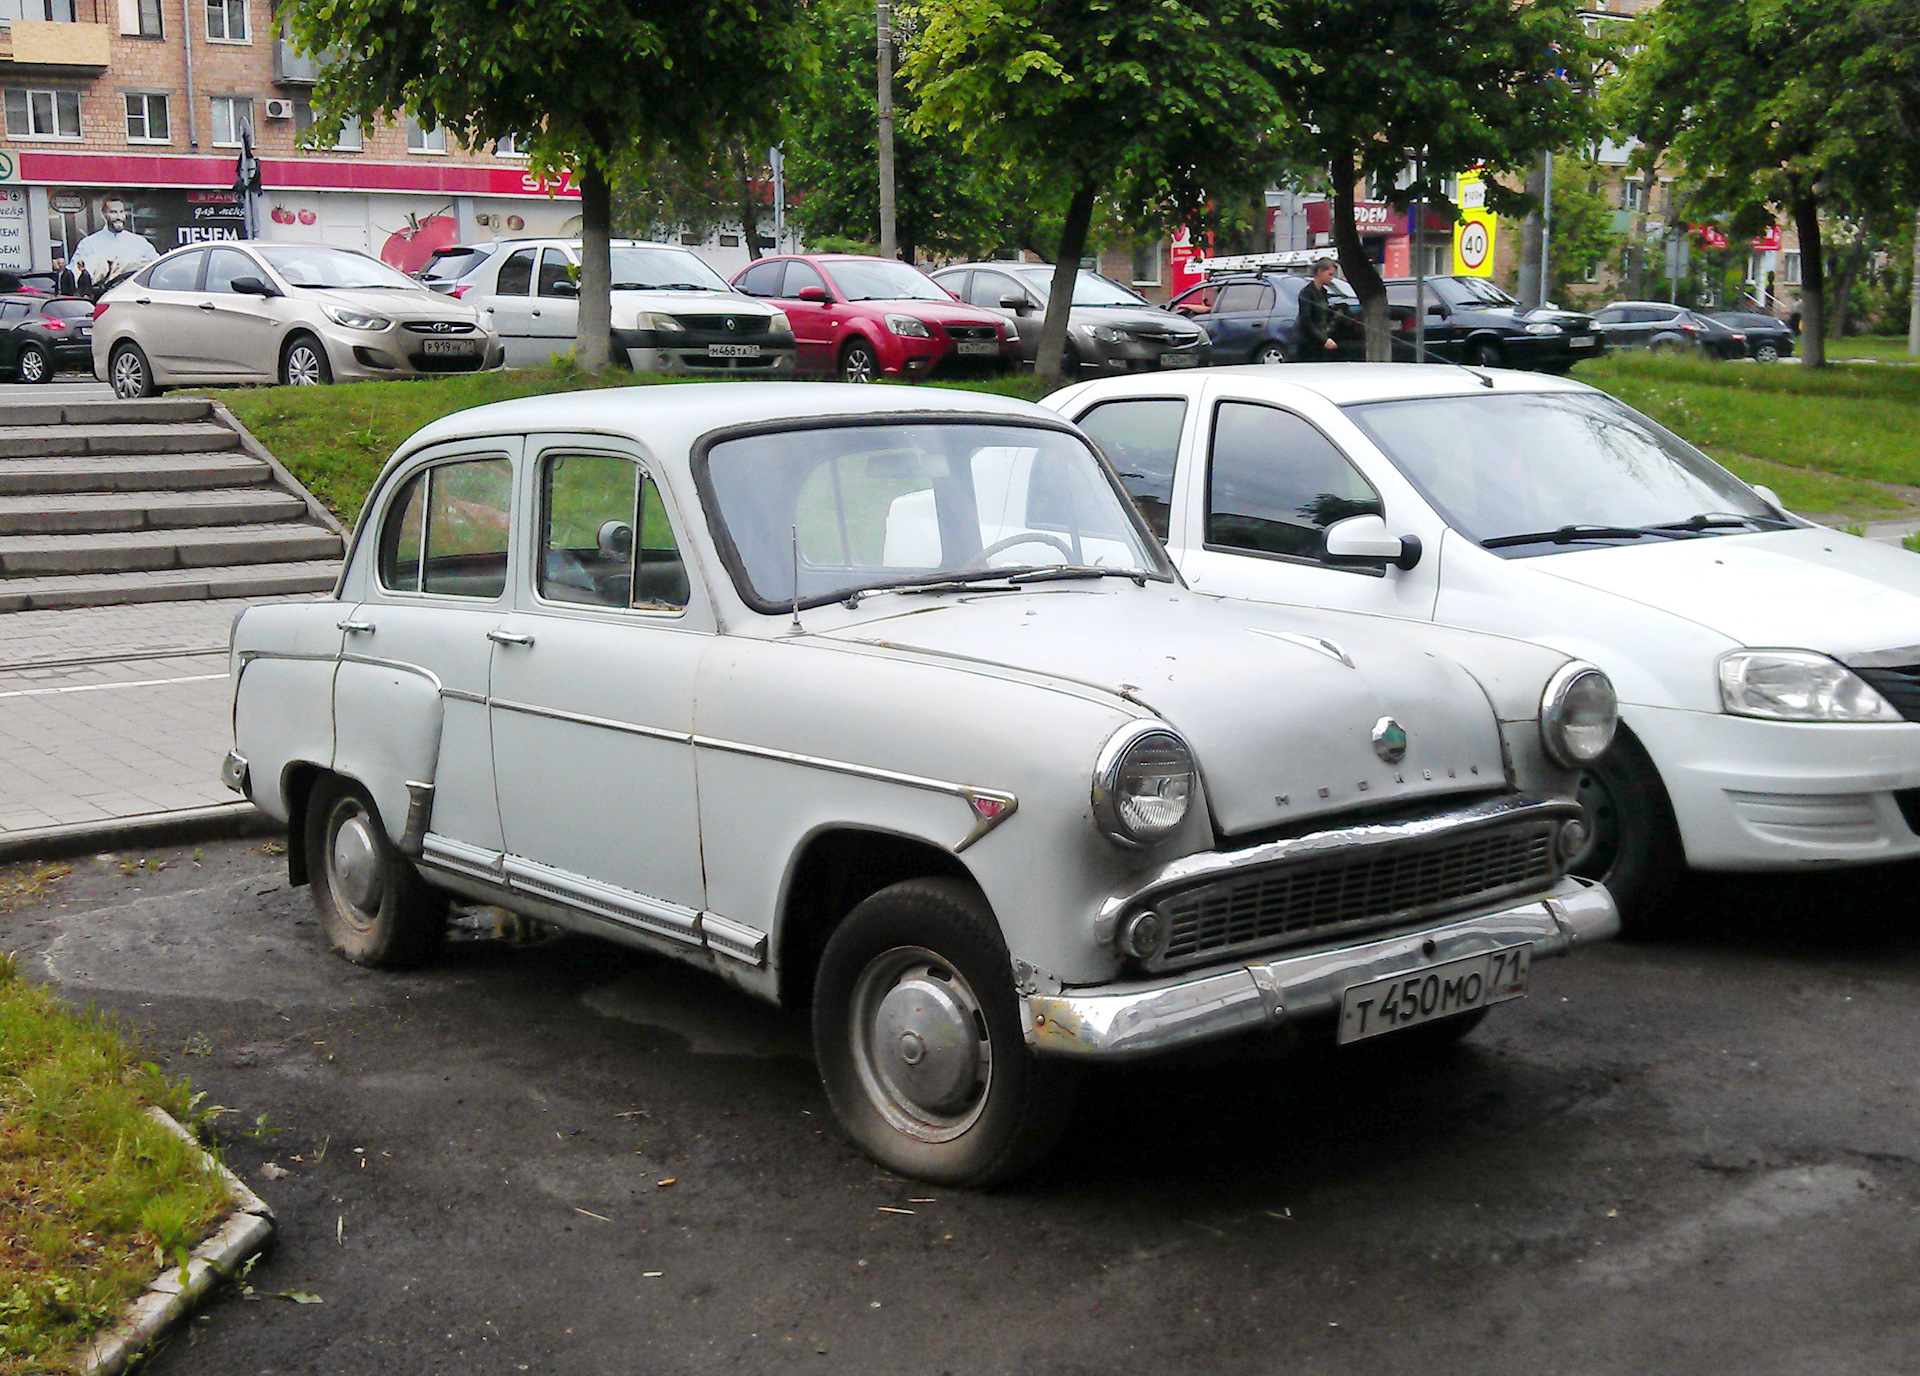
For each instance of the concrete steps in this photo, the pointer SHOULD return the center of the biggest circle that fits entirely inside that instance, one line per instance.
(139, 501)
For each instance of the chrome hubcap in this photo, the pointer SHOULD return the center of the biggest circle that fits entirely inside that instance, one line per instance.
(128, 377)
(355, 862)
(303, 367)
(921, 1045)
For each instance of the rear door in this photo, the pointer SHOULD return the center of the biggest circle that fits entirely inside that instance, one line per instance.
(1240, 320)
(166, 318)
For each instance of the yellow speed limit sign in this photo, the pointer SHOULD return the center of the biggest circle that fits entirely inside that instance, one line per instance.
(1474, 235)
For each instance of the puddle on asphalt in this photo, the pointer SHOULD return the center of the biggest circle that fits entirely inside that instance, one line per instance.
(711, 1018)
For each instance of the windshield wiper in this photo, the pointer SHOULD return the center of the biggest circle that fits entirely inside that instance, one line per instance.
(946, 582)
(1722, 520)
(1567, 535)
(1058, 573)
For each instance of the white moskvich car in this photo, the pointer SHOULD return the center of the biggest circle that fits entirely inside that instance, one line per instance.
(1768, 668)
(886, 704)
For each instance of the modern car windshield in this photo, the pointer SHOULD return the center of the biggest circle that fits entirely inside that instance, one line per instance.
(860, 280)
(1532, 473)
(309, 265)
(1089, 288)
(929, 506)
(1481, 291)
(662, 269)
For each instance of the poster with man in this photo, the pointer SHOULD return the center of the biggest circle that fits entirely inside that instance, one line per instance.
(108, 234)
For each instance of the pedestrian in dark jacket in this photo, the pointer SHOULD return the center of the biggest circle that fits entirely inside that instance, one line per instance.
(1313, 326)
(64, 282)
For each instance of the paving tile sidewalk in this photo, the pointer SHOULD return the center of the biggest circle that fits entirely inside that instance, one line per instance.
(112, 715)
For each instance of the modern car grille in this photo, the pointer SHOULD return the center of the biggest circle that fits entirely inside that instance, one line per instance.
(1173, 339)
(971, 332)
(1384, 887)
(440, 327)
(725, 324)
(1899, 685)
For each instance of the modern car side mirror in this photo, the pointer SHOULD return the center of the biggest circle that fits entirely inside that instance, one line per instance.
(1769, 496)
(1362, 540)
(567, 288)
(251, 286)
(1015, 302)
(817, 294)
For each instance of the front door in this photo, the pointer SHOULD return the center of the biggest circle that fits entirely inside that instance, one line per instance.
(242, 332)
(815, 323)
(556, 304)
(592, 699)
(990, 291)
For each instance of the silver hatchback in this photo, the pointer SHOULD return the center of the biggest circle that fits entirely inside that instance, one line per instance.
(298, 314)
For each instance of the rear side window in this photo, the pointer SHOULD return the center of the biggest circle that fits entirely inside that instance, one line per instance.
(1142, 438)
(762, 279)
(67, 309)
(446, 532)
(516, 274)
(177, 274)
(13, 310)
(1244, 296)
(1275, 484)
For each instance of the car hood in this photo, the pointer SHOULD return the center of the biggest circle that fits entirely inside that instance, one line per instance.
(626, 304)
(1518, 319)
(1136, 318)
(408, 305)
(1790, 589)
(1279, 707)
(940, 312)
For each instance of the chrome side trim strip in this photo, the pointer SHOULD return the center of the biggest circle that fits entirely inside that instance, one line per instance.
(582, 719)
(446, 853)
(729, 938)
(401, 665)
(462, 695)
(652, 915)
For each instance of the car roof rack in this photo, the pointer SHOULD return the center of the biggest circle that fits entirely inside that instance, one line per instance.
(1261, 262)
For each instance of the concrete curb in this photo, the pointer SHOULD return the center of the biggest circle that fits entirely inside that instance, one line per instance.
(214, 822)
(255, 449)
(175, 1292)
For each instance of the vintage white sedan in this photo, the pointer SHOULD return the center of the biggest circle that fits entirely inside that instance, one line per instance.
(886, 704)
(1768, 668)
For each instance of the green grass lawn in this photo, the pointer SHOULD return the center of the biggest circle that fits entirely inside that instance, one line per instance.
(93, 1192)
(1882, 348)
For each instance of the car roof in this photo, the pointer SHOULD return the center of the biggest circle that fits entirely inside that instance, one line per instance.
(1344, 384)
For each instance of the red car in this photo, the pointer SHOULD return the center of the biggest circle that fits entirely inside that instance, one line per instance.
(863, 318)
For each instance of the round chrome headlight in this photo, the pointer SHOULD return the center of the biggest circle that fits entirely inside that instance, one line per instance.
(1143, 785)
(1578, 714)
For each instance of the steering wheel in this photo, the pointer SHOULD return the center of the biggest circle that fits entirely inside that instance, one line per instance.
(1025, 537)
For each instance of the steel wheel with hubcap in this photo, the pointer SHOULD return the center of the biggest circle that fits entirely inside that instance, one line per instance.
(374, 905)
(129, 374)
(1766, 353)
(1634, 846)
(1270, 352)
(33, 364)
(1486, 354)
(304, 364)
(858, 363)
(917, 1029)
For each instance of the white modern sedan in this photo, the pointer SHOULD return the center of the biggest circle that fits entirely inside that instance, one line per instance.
(1768, 668)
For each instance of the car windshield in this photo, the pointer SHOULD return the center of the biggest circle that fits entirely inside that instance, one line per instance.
(1481, 292)
(1089, 288)
(1532, 473)
(662, 269)
(309, 265)
(878, 280)
(880, 505)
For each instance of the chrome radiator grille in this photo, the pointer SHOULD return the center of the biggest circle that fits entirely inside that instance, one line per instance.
(1377, 888)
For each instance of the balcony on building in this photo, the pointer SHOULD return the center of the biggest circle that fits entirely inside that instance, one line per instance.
(291, 67)
(57, 46)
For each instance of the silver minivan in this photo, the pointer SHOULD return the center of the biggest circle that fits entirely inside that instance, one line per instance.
(298, 314)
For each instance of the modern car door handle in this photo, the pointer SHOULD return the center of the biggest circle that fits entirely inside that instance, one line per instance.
(536, 312)
(143, 300)
(208, 306)
(356, 627)
(509, 638)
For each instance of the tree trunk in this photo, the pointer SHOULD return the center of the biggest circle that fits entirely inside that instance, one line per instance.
(1813, 318)
(1637, 278)
(1839, 297)
(594, 336)
(1913, 294)
(749, 208)
(1358, 269)
(1533, 287)
(1047, 363)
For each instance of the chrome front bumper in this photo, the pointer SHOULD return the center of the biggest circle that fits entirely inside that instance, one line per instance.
(233, 773)
(1116, 1022)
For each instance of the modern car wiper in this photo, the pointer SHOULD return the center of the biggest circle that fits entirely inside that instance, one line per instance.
(1059, 573)
(1567, 535)
(946, 582)
(1723, 520)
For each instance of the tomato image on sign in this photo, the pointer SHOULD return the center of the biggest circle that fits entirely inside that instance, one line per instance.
(411, 247)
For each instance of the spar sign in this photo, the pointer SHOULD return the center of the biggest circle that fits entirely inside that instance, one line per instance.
(1473, 236)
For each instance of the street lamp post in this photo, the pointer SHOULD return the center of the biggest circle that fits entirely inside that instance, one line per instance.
(888, 247)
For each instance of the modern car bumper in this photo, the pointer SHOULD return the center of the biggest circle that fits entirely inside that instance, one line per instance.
(771, 360)
(1121, 1021)
(1138, 357)
(398, 353)
(1760, 795)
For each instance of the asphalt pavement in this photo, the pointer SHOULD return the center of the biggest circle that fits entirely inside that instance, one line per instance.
(1697, 1155)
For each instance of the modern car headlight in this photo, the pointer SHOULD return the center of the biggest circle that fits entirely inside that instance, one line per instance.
(1143, 785)
(1577, 715)
(1797, 685)
(908, 328)
(658, 322)
(356, 320)
(777, 323)
(1106, 334)
(1542, 327)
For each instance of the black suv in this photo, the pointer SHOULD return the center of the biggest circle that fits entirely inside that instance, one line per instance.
(42, 335)
(1469, 320)
(1249, 318)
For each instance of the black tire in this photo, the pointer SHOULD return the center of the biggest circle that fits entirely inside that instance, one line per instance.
(373, 904)
(1273, 351)
(129, 373)
(1766, 353)
(1484, 353)
(304, 362)
(1635, 848)
(959, 1099)
(33, 365)
(859, 363)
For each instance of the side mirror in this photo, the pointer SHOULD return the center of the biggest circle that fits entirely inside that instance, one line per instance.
(1769, 496)
(1362, 540)
(571, 289)
(1015, 302)
(251, 286)
(615, 539)
(818, 295)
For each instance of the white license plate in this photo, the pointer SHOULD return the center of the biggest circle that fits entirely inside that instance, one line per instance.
(1440, 991)
(1584, 341)
(733, 351)
(449, 346)
(1179, 360)
(973, 346)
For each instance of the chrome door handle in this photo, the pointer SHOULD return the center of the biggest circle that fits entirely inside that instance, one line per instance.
(509, 638)
(356, 627)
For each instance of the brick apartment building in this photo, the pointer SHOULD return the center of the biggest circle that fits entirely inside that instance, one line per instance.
(123, 121)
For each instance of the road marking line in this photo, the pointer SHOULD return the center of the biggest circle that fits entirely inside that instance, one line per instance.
(102, 687)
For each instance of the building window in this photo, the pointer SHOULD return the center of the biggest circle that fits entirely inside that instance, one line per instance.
(1146, 263)
(1633, 194)
(1790, 267)
(42, 114)
(147, 119)
(232, 115)
(148, 17)
(227, 21)
(346, 141)
(509, 147)
(59, 11)
(421, 139)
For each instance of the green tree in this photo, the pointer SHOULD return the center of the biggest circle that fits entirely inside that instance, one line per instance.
(1155, 107)
(589, 83)
(1584, 238)
(1468, 83)
(1808, 105)
(672, 193)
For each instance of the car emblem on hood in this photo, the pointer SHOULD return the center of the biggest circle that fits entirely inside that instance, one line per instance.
(1389, 740)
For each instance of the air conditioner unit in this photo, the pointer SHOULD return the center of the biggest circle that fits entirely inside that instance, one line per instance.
(279, 109)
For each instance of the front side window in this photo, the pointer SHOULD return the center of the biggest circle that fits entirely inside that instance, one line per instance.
(225, 264)
(604, 537)
(446, 531)
(227, 21)
(37, 114)
(1142, 438)
(147, 119)
(556, 274)
(232, 116)
(877, 505)
(1276, 483)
